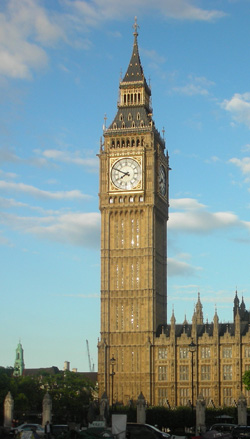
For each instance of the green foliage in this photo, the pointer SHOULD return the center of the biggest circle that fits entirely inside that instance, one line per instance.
(71, 394)
(246, 379)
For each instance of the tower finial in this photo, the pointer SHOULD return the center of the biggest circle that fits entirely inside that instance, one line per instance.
(135, 26)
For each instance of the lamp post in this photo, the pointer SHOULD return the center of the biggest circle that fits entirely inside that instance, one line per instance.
(112, 362)
(192, 349)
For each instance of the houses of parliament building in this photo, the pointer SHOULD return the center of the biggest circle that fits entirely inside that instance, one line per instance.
(138, 352)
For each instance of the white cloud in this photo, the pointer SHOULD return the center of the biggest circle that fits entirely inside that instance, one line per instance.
(243, 164)
(73, 158)
(185, 203)
(181, 268)
(195, 86)
(239, 107)
(38, 193)
(78, 229)
(27, 28)
(101, 10)
(195, 219)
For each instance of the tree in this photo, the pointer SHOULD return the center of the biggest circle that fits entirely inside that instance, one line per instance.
(71, 394)
(246, 379)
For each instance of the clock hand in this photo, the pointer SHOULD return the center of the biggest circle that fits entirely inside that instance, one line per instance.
(125, 173)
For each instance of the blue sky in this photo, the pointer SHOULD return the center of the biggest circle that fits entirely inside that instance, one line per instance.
(60, 65)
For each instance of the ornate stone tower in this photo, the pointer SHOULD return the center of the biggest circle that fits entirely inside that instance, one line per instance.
(134, 211)
(19, 361)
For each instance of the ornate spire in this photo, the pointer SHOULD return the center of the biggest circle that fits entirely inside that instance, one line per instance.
(134, 72)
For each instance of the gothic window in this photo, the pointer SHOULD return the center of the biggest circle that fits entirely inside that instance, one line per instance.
(132, 361)
(184, 396)
(123, 141)
(205, 352)
(121, 200)
(118, 144)
(116, 235)
(227, 372)
(142, 123)
(162, 397)
(117, 318)
(162, 353)
(137, 233)
(132, 231)
(111, 200)
(132, 316)
(123, 126)
(227, 396)
(117, 277)
(133, 126)
(122, 277)
(137, 275)
(139, 97)
(132, 275)
(114, 126)
(113, 144)
(205, 373)
(130, 116)
(247, 352)
(124, 99)
(121, 117)
(206, 393)
(138, 142)
(122, 360)
(131, 199)
(138, 116)
(122, 233)
(122, 317)
(184, 353)
(131, 98)
(183, 373)
(162, 373)
(227, 352)
(133, 140)
(128, 143)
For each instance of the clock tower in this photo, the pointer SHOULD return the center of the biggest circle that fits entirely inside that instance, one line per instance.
(134, 203)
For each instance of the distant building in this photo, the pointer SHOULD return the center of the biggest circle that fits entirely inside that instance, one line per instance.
(19, 361)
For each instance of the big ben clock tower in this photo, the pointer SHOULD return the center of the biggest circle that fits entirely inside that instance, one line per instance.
(134, 211)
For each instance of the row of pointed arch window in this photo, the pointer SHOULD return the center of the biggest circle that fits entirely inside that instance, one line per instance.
(131, 98)
(127, 143)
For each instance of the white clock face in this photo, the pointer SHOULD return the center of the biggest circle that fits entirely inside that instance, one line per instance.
(162, 180)
(126, 173)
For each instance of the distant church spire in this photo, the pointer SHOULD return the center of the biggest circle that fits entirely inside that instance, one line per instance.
(19, 361)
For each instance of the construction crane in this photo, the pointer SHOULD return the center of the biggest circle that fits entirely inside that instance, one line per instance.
(91, 366)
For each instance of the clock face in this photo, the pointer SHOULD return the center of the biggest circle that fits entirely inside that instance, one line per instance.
(162, 180)
(126, 173)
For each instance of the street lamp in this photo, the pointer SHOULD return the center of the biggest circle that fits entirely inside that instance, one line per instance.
(112, 362)
(192, 349)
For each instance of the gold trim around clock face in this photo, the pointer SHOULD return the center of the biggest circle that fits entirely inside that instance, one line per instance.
(126, 174)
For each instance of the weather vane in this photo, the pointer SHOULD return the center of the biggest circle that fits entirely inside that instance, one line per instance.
(136, 26)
